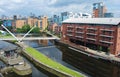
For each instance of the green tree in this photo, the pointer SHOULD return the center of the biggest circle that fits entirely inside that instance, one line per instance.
(26, 28)
(0, 33)
(9, 28)
(100, 48)
(35, 30)
(1, 22)
(19, 30)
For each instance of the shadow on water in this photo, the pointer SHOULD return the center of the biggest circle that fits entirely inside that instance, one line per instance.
(51, 51)
(35, 71)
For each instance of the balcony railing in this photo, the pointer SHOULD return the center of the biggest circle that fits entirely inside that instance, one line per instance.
(106, 36)
(69, 35)
(106, 42)
(107, 30)
(79, 36)
(79, 32)
(70, 26)
(69, 30)
(91, 34)
(91, 28)
(91, 39)
(79, 28)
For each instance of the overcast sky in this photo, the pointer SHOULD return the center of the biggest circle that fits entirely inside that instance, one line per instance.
(50, 7)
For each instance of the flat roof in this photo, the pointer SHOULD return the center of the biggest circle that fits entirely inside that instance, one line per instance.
(9, 49)
(109, 21)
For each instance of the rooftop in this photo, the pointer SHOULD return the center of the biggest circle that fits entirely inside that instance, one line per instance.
(9, 49)
(108, 21)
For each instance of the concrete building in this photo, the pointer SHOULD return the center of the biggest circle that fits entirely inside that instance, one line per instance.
(98, 10)
(108, 15)
(67, 15)
(95, 33)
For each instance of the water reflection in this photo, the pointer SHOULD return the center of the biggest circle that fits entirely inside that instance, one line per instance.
(35, 71)
(51, 51)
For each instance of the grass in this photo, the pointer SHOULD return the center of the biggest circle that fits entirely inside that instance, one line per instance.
(44, 59)
(5, 36)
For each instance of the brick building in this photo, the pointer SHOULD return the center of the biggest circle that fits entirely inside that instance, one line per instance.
(99, 10)
(96, 33)
(20, 22)
(41, 23)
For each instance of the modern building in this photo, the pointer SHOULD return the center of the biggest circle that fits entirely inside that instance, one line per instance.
(98, 10)
(7, 22)
(108, 15)
(67, 15)
(56, 19)
(64, 16)
(96, 33)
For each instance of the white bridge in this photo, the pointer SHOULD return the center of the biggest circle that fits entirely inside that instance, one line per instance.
(19, 39)
(32, 38)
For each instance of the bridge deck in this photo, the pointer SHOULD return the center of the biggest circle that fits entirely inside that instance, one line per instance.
(31, 38)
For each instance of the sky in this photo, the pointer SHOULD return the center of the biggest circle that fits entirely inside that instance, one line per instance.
(51, 7)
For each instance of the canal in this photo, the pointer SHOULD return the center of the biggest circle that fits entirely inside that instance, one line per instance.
(48, 49)
(93, 67)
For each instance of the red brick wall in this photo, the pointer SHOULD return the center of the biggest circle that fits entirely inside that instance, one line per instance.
(99, 30)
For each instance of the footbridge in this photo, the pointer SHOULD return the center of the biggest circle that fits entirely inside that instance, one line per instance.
(19, 39)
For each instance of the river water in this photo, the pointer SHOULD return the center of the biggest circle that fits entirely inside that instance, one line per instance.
(35, 72)
(47, 49)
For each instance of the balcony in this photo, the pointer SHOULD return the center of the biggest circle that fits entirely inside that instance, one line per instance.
(91, 39)
(70, 26)
(106, 30)
(91, 28)
(69, 35)
(79, 32)
(79, 36)
(107, 42)
(106, 36)
(69, 30)
(79, 28)
(91, 34)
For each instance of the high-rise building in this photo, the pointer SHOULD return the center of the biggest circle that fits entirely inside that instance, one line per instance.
(98, 10)
(15, 17)
(108, 15)
(55, 19)
(64, 15)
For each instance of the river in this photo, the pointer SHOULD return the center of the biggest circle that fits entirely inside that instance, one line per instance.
(48, 49)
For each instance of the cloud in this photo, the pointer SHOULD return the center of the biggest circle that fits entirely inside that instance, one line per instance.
(50, 7)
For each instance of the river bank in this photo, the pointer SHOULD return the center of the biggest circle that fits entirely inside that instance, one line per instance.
(95, 67)
(54, 69)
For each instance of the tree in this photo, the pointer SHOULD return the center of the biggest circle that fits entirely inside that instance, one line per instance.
(0, 33)
(26, 28)
(35, 30)
(1, 22)
(19, 30)
(108, 51)
(100, 48)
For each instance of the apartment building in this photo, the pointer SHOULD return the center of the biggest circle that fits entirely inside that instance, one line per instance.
(95, 33)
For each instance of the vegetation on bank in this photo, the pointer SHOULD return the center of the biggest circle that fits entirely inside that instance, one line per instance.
(26, 28)
(7, 35)
(46, 60)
